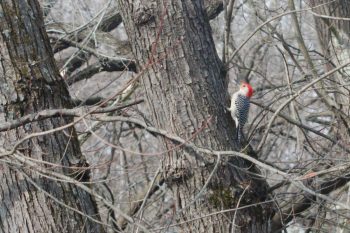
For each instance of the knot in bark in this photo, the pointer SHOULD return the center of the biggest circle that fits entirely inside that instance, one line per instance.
(143, 15)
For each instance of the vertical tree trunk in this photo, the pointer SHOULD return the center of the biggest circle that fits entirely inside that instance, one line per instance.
(185, 86)
(332, 32)
(30, 82)
(334, 38)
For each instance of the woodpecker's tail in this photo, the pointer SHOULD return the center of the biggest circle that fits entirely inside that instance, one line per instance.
(238, 133)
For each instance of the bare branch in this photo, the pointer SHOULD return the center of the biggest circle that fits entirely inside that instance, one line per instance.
(106, 64)
(61, 113)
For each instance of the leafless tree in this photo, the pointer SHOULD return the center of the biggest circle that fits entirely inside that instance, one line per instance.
(31, 201)
(145, 143)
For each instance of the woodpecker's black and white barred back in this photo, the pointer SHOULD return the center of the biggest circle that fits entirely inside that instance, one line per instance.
(240, 103)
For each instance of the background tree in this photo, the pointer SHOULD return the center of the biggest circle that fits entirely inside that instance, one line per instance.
(29, 83)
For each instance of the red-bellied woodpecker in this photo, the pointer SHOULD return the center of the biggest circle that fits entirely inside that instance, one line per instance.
(240, 106)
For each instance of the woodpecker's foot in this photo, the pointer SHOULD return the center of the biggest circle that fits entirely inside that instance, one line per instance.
(226, 109)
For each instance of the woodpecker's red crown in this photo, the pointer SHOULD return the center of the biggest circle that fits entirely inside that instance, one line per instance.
(247, 89)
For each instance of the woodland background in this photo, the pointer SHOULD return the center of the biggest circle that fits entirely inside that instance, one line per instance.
(152, 149)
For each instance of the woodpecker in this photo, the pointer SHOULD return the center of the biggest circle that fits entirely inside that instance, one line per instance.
(239, 108)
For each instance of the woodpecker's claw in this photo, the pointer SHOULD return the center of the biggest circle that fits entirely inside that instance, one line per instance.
(226, 109)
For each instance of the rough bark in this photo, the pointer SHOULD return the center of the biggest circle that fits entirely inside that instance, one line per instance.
(185, 87)
(30, 82)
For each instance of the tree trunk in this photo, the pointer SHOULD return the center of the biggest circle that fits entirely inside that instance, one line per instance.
(332, 29)
(30, 82)
(186, 91)
(334, 38)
